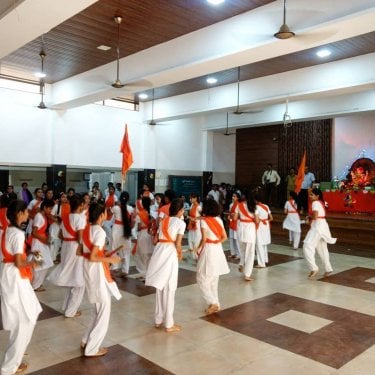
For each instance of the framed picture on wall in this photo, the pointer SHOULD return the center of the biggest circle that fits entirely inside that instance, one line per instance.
(86, 176)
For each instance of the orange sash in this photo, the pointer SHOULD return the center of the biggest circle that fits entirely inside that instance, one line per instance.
(265, 208)
(233, 223)
(193, 213)
(64, 209)
(145, 218)
(41, 231)
(292, 203)
(165, 209)
(35, 209)
(324, 209)
(88, 243)
(109, 203)
(164, 230)
(245, 213)
(25, 271)
(3, 218)
(69, 229)
(215, 228)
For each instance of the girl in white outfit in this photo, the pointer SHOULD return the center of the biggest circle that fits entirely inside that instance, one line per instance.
(69, 272)
(246, 231)
(20, 307)
(233, 237)
(292, 222)
(162, 272)
(40, 243)
(99, 284)
(121, 232)
(145, 246)
(263, 232)
(194, 234)
(211, 257)
(318, 236)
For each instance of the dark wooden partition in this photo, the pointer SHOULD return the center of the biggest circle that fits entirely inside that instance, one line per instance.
(283, 147)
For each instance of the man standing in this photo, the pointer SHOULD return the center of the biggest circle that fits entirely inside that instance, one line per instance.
(270, 180)
(25, 193)
(303, 196)
(10, 193)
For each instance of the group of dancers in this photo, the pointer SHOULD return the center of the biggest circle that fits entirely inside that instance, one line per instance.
(84, 228)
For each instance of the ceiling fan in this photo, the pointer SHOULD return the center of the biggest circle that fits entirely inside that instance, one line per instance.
(227, 128)
(117, 84)
(284, 31)
(152, 121)
(237, 110)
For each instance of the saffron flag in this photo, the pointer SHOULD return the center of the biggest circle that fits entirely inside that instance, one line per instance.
(301, 174)
(127, 155)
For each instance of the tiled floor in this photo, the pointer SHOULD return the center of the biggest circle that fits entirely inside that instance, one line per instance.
(282, 323)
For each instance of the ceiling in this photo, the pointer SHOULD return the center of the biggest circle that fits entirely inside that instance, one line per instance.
(172, 46)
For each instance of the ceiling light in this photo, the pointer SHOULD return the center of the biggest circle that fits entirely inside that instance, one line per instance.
(215, 2)
(323, 53)
(142, 96)
(40, 75)
(103, 47)
(211, 80)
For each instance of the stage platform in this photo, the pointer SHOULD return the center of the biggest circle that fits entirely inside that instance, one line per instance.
(355, 232)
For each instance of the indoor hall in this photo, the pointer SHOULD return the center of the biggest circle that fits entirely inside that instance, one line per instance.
(209, 95)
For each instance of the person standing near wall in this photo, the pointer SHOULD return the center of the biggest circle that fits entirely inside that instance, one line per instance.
(270, 181)
(303, 196)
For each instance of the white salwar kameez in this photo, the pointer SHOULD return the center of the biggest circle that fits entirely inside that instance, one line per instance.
(118, 239)
(317, 238)
(145, 248)
(162, 273)
(20, 307)
(69, 272)
(263, 234)
(246, 233)
(99, 291)
(292, 223)
(54, 230)
(40, 271)
(211, 264)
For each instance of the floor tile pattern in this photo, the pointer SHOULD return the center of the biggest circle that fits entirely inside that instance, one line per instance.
(350, 334)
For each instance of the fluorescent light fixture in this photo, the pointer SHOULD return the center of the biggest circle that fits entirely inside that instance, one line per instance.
(142, 96)
(40, 74)
(103, 47)
(215, 2)
(323, 53)
(211, 80)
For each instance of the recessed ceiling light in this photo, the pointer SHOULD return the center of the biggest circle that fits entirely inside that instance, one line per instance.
(211, 80)
(215, 2)
(40, 75)
(323, 53)
(103, 47)
(142, 96)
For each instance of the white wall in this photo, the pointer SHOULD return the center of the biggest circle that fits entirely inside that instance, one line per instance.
(351, 136)
(90, 137)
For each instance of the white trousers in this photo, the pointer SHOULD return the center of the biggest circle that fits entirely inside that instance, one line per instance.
(234, 247)
(164, 307)
(247, 250)
(321, 247)
(295, 238)
(19, 338)
(209, 287)
(124, 254)
(262, 255)
(73, 300)
(38, 278)
(96, 331)
(55, 246)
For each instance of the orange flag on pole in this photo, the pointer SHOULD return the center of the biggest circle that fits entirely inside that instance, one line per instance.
(301, 174)
(127, 155)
